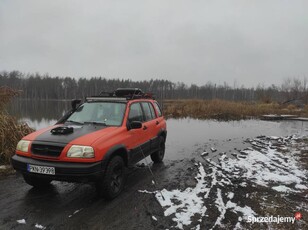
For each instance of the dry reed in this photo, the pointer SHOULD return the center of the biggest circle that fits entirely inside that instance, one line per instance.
(11, 131)
(226, 110)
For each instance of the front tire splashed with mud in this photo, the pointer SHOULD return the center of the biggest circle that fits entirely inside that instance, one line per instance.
(112, 183)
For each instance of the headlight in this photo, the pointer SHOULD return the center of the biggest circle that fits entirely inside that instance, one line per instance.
(80, 151)
(23, 146)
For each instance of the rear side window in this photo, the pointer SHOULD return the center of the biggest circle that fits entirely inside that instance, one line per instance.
(147, 111)
(135, 113)
(152, 110)
(157, 107)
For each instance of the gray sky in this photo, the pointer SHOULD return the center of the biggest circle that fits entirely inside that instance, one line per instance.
(247, 41)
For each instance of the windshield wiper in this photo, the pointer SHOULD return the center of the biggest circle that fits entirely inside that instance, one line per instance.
(95, 123)
(76, 122)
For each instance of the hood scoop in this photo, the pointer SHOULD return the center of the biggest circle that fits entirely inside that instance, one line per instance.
(62, 130)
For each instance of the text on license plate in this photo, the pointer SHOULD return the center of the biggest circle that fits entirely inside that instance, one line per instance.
(41, 169)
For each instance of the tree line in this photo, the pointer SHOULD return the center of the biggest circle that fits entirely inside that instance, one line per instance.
(46, 87)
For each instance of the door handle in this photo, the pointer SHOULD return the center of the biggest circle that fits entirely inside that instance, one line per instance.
(145, 127)
(157, 122)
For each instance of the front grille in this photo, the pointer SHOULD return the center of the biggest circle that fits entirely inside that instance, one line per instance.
(47, 150)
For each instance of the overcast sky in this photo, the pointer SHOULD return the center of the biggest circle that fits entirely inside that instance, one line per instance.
(247, 41)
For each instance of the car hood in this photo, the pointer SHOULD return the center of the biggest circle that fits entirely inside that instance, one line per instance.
(81, 134)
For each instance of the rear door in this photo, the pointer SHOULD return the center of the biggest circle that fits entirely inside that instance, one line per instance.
(160, 124)
(138, 138)
(151, 125)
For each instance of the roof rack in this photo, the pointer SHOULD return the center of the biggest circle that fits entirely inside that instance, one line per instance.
(121, 94)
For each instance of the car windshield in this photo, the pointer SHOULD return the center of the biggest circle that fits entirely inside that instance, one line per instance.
(105, 113)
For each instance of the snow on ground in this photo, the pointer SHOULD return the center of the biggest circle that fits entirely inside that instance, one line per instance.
(40, 226)
(271, 162)
(3, 167)
(265, 165)
(22, 221)
(75, 212)
(185, 204)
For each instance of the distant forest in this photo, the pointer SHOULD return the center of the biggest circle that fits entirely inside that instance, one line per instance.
(45, 87)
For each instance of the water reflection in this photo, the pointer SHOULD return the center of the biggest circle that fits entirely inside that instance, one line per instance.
(211, 129)
(42, 113)
(36, 113)
(185, 136)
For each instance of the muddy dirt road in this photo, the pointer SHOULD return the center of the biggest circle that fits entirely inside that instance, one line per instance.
(215, 175)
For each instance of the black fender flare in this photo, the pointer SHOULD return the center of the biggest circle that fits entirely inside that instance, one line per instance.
(111, 151)
(162, 132)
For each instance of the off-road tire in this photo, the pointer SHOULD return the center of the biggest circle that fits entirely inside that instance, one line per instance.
(112, 183)
(158, 156)
(36, 182)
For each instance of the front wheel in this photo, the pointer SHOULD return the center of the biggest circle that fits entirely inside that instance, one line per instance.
(36, 182)
(158, 156)
(113, 181)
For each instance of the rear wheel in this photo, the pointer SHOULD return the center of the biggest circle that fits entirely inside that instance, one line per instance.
(36, 182)
(113, 181)
(158, 156)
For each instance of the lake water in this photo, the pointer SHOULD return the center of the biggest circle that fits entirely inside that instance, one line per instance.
(184, 135)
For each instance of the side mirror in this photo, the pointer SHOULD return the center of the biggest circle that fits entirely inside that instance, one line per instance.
(135, 125)
(74, 103)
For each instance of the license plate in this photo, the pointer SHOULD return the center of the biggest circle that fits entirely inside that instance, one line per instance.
(41, 169)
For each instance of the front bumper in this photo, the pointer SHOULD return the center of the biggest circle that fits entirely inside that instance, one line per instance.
(64, 171)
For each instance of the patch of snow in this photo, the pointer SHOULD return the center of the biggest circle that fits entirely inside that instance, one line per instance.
(266, 166)
(145, 191)
(222, 208)
(75, 212)
(246, 210)
(3, 167)
(230, 195)
(243, 184)
(238, 226)
(22, 221)
(39, 226)
(301, 186)
(185, 204)
(213, 149)
(281, 188)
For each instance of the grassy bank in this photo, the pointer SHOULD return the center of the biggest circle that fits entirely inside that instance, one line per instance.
(11, 131)
(227, 110)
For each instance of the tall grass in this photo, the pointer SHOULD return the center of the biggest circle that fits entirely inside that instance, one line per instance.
(11, 131)
(226, 110)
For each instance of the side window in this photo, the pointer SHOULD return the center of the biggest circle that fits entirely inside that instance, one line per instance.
(135, 113)
(152, 110)
(147, 112)
(158, 109)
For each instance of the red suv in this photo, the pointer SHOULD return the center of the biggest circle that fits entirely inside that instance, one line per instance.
(95, 141)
